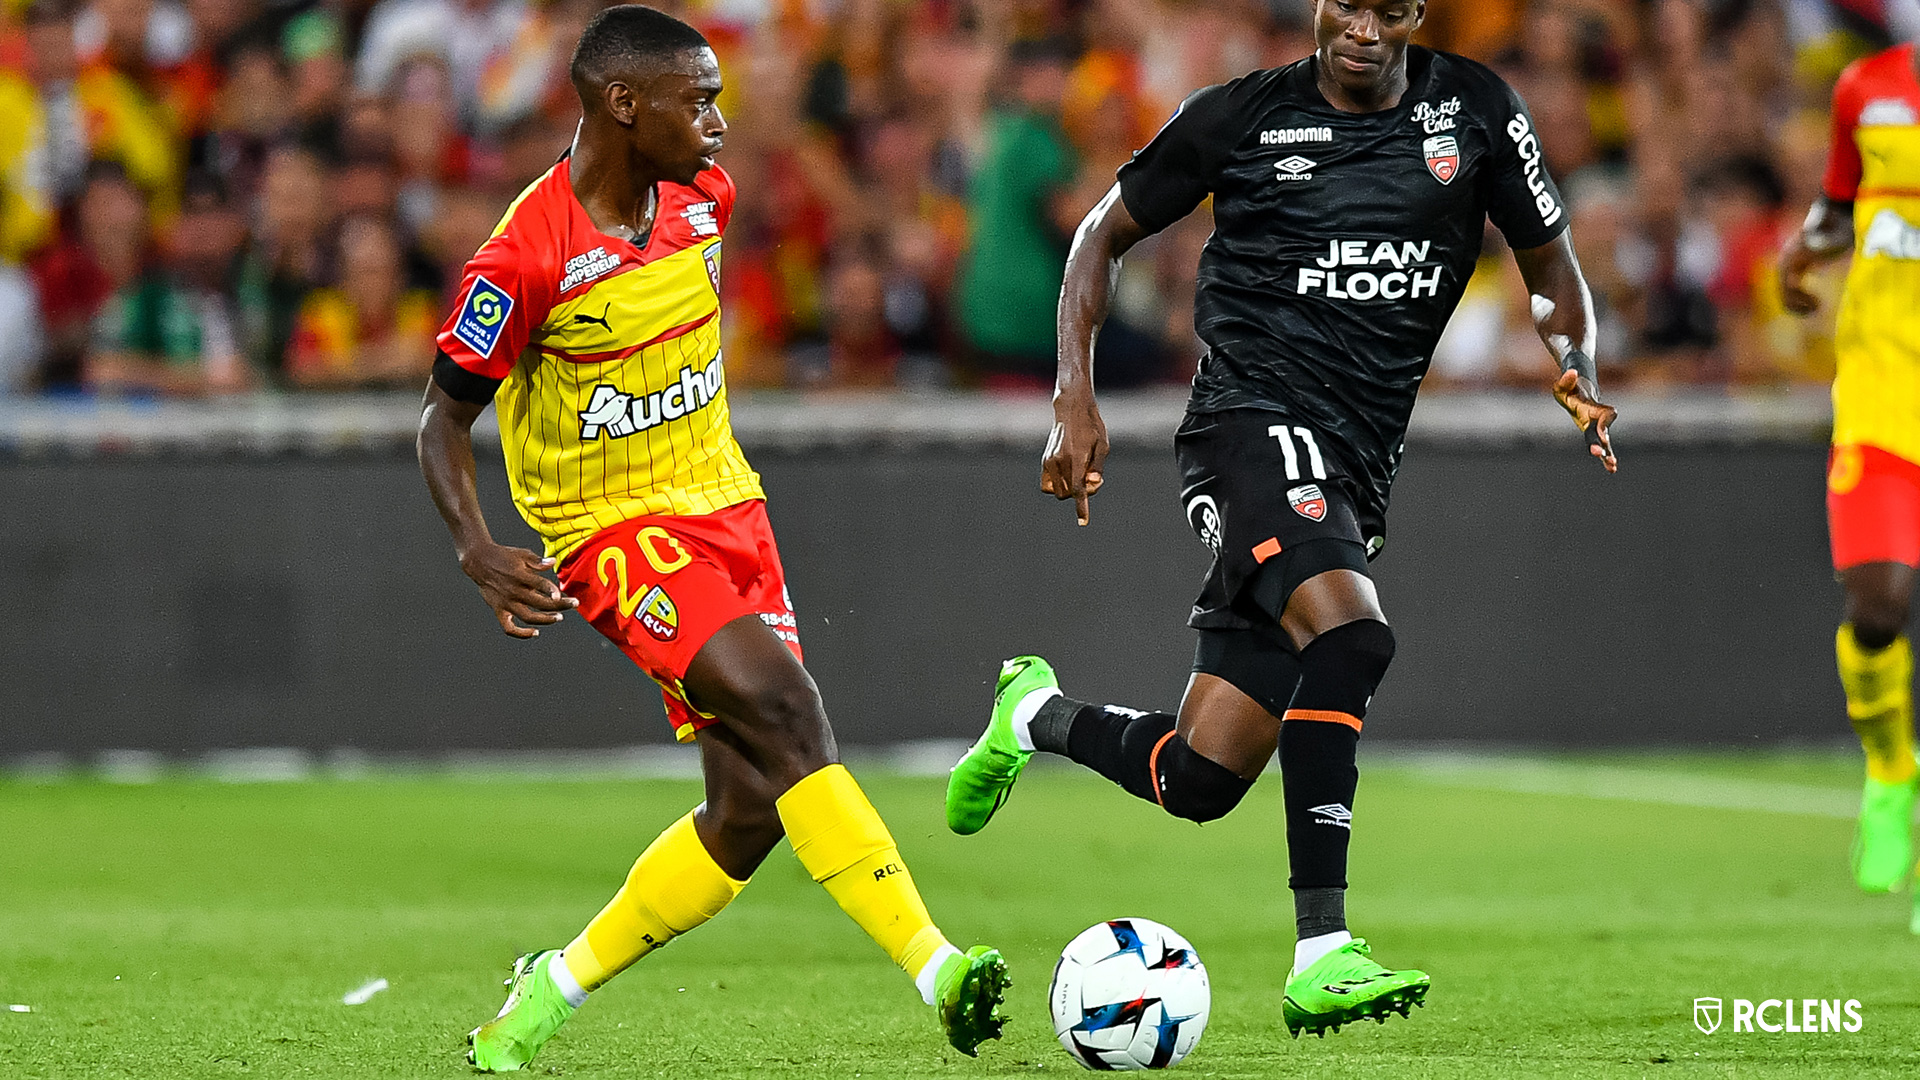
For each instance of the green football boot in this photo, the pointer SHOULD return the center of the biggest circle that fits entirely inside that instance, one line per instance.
(980, 783)
(1345, 986)
(533, 1012)
(1883, 838)
(968, 992)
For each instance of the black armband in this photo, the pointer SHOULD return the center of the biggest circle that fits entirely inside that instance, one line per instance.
(1581, 364)
(461, 384)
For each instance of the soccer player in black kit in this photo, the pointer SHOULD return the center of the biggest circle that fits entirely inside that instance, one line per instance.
(1350, 192)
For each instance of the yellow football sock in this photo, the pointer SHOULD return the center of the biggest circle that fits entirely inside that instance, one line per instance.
(673, 887)
(1879, 687)
(840, 839)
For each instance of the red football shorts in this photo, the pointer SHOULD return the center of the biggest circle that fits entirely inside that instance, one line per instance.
(1873, 507)
(659, 587)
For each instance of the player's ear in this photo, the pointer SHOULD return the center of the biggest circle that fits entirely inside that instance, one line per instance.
(621, 102)
(1419, 13)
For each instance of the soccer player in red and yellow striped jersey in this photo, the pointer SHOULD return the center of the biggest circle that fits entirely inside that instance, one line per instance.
(1870, 205)
(590, 319)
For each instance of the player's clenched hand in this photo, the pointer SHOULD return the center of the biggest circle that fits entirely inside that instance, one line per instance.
(514, 583)
(1576, 396)
(1076, 454)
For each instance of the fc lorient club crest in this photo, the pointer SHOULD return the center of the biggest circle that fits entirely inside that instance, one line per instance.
(1308, 501)
(1443, 157)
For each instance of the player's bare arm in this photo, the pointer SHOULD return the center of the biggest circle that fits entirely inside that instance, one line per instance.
(1826, 235)
(1563, 315)
(513, 581)
(1075, 460)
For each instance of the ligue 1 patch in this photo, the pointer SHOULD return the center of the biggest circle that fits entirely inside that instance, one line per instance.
(659, 615)
(1308, 502)
(712, 255)
(1443, 157)
(483, 316)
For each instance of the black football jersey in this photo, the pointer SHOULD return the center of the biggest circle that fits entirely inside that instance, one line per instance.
(1342, 241)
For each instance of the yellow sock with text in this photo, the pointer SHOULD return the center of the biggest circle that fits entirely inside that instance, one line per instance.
(673, 887)
(1879, 687)
(839, 837)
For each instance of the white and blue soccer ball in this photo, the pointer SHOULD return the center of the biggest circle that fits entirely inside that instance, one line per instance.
(1129, 994)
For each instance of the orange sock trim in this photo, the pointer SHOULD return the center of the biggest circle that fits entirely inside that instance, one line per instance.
(1328, 716)
(1153, 768)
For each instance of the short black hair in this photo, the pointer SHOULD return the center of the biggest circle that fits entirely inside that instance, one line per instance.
(623, 38)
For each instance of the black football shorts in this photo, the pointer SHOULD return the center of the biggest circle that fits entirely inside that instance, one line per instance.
(1276, 507)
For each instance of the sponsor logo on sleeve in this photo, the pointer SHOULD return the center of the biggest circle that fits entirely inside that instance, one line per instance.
(482, 316)
(1520, 130)
(1308, 501)
(1443, 157)
(1887, 112)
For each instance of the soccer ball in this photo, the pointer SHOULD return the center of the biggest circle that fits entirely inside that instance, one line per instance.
(1129, 994)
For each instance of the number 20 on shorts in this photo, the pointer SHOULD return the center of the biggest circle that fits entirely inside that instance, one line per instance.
(662, 550)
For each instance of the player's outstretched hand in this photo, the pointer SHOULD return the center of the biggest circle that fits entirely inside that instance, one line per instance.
(1593, 417)
(514, 583)
(1076, 458)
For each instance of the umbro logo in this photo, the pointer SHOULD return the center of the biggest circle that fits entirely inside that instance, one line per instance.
(1332, 814)
(1294, 167)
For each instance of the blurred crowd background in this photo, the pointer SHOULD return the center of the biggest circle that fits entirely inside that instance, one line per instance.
(214, 196)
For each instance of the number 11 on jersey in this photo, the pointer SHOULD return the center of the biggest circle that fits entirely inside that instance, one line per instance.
(1314, 461)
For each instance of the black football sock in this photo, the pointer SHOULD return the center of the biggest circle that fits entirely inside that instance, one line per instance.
(1143, 754)
(1319, 743)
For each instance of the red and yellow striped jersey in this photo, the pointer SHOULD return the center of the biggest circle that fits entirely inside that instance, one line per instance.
(1874, 163)
(614, 401)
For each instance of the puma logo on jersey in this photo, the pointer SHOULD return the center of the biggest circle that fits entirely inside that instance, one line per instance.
(1891, 235)
(619, 414)
(601, 318)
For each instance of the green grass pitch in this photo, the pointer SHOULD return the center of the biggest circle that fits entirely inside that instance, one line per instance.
(193, 929)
